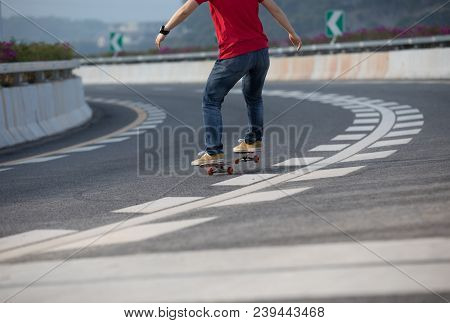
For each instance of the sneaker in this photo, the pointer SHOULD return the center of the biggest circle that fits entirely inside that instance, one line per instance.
(207, 159)
(247, 148)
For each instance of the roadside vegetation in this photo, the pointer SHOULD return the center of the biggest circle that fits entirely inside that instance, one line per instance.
(11, 52)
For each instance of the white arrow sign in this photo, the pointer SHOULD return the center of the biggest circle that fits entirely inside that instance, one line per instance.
(116, 42)
(332, 23)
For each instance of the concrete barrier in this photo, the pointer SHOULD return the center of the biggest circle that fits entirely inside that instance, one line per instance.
(402, 64)
(33, 111)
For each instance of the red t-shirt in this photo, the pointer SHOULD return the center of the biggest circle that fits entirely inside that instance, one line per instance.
(238, 27)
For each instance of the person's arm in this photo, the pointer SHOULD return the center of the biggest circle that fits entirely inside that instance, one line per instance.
(282, 19)
(178, 17)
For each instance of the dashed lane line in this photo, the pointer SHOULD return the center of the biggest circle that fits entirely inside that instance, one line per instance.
(135, 234)
(298, 162)
(400, 133)
(367, 115)
(394, 142)
(337, 147)
(157, 205)
(369, 156)
(85, 149)
(327, 173)
(25, 238)
(37, 160)
(402, 125)
(362, 110)
(260, 197)
(352, 137)
(410, 117)
(113, 140)
(407, 111)
(359, 128)
(388, 104)
(247, 179)
(366, 121)
(5, 169)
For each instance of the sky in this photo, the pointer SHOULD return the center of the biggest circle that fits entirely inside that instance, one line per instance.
(105, 10)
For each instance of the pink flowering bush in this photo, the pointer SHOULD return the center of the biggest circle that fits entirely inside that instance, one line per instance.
(14, 52)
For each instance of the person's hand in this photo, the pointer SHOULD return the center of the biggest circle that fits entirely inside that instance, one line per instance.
(296, 41)
(159, 39)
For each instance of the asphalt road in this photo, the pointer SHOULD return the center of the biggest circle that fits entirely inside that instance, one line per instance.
(363, 217)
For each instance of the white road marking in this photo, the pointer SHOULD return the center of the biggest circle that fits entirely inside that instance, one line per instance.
(367, 115)
(354, 106)
(153, 126)
(308, 271)
(157, 117)
(330, 147)
(114, 140)
(377, 102)
(386, 124)
(406, 111)
(327, 173)
(152, 122)
(360, 128)
(388, 104)
(134, 234)
(408, 124)
(244, 180)
(400, 133)
(366, 121)
(128, 133)
(5, 169)
(363, 110)
(369, 156)
(410, 117)
(39, 160)
(260, 197)
(400, 107)
(85, 149)
(25, 238)
(386, 143)
(156, 205)
(353, 137)
(298, 162)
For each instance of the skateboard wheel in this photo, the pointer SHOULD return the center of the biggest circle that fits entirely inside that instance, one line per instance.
(256, 159)
(230, 170)
(236, 161)
(211, 171)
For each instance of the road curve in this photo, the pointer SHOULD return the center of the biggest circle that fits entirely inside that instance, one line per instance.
(349, 202)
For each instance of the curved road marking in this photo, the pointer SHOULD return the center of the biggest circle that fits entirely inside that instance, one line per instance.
(142, 115)
(386, 124)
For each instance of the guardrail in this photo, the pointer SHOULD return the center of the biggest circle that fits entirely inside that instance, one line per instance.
(12, 74)
(402, 43)
(39, 99)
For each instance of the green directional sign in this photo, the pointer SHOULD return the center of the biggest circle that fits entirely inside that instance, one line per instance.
(115, 42)
(335, 23)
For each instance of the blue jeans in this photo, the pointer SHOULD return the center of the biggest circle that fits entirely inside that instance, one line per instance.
(252, 67)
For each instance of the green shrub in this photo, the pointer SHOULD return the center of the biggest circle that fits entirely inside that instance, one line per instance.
(14, 52)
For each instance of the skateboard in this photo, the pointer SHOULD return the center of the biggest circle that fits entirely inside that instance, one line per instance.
(218, 168)
(226, 168)
(246, 157)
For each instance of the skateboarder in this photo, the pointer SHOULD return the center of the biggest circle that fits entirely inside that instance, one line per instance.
(243, 48)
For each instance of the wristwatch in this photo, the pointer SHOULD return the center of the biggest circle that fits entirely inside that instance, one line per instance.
(164, 31)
